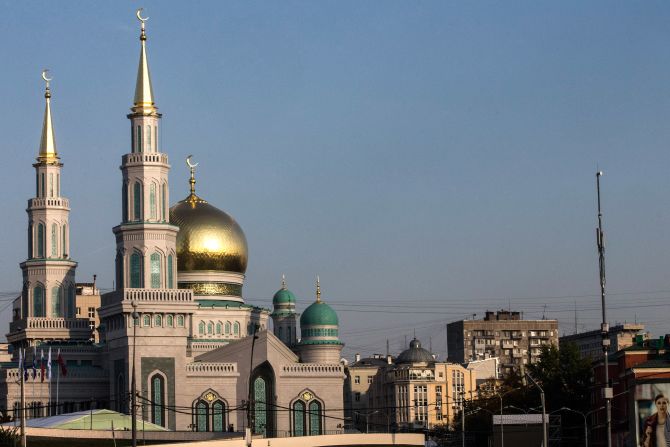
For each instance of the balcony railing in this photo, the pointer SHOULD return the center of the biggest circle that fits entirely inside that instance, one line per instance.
(44, 202)
(141, 158)
(161, 295)
(210, 369)
(50, 323)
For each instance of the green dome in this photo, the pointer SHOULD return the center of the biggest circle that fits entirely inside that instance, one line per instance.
(318, 313)
(283, 296)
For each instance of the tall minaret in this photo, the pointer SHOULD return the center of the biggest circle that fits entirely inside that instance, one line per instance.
(145, 240)
(48, 273)
(284, 316)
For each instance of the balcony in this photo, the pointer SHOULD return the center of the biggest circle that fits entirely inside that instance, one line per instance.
(149, 295)
(53, 202)
(145, 158)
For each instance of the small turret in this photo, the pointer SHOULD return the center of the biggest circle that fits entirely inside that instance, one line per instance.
(319, 329)
(284, 316)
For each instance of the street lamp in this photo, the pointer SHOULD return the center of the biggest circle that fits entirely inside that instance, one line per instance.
(502, 433)
(586, 428)
(544, 410)
(249, 429)
(133, 385)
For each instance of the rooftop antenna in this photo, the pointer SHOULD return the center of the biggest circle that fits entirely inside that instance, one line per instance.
(604, 328)
(544, 311)
(430, 344)
(405, 340)
(388, 351)
(575, 316)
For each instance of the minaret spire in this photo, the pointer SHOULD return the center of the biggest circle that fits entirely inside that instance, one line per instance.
(144, 94)
(283, 281)
(318, 290)
(48, 142)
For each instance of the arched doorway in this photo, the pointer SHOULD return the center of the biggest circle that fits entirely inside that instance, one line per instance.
(262, 400)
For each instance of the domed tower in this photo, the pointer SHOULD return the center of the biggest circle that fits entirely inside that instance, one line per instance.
(319, 329)
(284, 316)
(415, 354)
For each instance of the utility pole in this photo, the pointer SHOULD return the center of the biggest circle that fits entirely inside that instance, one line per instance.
(604, 328)
(133, 386)
(23, 404)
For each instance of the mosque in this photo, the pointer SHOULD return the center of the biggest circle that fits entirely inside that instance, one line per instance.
(176, 327)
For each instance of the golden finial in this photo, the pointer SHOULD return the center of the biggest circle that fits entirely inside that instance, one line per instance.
(48, 141)
(144, 95)
(283, 281)
(318, 290)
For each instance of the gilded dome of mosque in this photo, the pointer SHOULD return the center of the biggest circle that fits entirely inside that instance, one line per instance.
(208, 238)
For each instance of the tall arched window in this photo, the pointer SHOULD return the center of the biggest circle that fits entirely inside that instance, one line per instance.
(138, 135)
(54, 240)
(57, 185)
(148, 138)
(30, 241)
(236, 328)
(65, 250)
(124, 202)
(218, 416)
(43, 186)
(227, 327)
(164, 203)
(71, 302)
(157, 400)
(137, 201)
(180, 320)
(155, 271)
(158, 320)
(135, 270)
(201, 328)
(51, 185)
(40, 240)
(57, 302)
(38, 302)
(260, 406)
(314, 418)
(210, 328)
(146, 320)
(152, 200)
(218, 328)
(169, 320)
(201, 416)
(299, 419)
(170, 272)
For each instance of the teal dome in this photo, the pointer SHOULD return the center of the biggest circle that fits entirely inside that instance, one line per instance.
(283, 296)
(318, 314)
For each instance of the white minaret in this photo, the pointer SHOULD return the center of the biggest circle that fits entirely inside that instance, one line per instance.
(145, 240)
(47, 308)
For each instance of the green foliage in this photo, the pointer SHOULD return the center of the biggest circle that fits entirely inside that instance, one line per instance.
(9, 435)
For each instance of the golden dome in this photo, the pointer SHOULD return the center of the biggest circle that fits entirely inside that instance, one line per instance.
(208, 238)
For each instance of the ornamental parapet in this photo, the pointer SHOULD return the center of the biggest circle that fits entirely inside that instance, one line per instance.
(144, 295)
(311, 369)
(143, 158)
(210, 368)
(54, 202)
(49, 323)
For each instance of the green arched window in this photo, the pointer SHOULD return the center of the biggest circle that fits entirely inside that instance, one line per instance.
(236, 328)
(57, 302)
(137, 201)
(148, 138)
(54, 240)
(201, 416)
(124, 202)
(170, 272)
(40, 240)
(314, 418)
(152, 200)
(30, 241)
(64, 241)
(71, 302)
(164, 203)
(146, 320)
(157, 400)
(218, 327)
(158, 321)
(260, 406)
(218, 416)
(138, 135)
(169, 320)
(299, 419)
(135, 271)
(38, 302)
(155, 270)
(43, 186)
(210, 328)
(180, 320)
(227, 327)
(201, 328)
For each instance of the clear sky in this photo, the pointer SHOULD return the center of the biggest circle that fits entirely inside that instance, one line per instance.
(429, 160)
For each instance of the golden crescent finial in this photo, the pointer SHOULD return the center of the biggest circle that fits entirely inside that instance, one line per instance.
(44, 75)
(140, 18)
(189, 164)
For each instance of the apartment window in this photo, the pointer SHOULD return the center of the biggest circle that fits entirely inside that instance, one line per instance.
(369, 379)
(357, 397)
(78, 311)
(357, 379)
(91, 312)
(421, 402)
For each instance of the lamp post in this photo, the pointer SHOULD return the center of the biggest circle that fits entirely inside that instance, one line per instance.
(133, 386)
(586, 428)
(544, 411)
(249, 429)
(502, 432)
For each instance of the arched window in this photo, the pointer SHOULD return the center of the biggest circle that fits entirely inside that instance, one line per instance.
(43, 186)
(218, 328)
(155, 270)
(170, 272)
(169, 320)
(57, 185)
(152, 200)
(30, 241)
(38, 302)
(299, 419)
(124, 202)
(180, 320)
(146, 320)
(164, 203)
(51, 185)
(236, 328)
(201, 416)
(201, 328)
(314, 418)
(64, 241)
(210, 328)
(279, 332)
(218, 416)
(56, 302)
(54, 240)
(148, 138)
(157, 400)
(137, 201)
(71, 301)
(227, 327)
(138, 135)
(260, 406)
(136, 270)
(158, 321)
(40, 240)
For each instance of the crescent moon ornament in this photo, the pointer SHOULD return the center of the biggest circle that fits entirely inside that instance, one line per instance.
(188, 162)
(139, 17)
(44, 75)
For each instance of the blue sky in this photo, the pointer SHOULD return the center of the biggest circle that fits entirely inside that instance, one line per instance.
(429, 160)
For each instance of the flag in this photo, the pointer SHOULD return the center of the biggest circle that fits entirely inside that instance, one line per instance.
(34, 363)
(42, 364)
(63, 368)
(49, 365)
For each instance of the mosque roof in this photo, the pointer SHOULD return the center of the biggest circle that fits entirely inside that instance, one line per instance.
(415, 354)
(319, 313)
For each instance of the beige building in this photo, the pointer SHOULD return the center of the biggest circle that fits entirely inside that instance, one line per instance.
(360, 375)
(176, 328)
(501, 334)
(621, 336)
(413, 391)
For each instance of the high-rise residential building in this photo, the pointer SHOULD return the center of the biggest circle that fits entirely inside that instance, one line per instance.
(590, 343)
